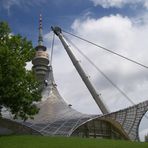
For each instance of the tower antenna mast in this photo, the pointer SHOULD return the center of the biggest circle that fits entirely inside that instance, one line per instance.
(40, 39)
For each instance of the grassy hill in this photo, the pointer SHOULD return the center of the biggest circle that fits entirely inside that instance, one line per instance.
(63, 142)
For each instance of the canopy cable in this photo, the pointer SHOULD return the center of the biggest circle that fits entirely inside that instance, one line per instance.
(99, 70)
(105, 76)
(52, 47)
(108, 50)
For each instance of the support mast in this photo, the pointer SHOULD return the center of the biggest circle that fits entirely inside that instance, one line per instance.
(81, 72)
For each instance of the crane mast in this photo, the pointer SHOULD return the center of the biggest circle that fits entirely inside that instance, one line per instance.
(95, 95)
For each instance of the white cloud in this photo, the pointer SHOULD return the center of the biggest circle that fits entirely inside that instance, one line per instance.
(121, 35)
(146, 4)
(119, 3)
(114, 32)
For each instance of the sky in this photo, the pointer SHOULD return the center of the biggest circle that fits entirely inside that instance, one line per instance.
(119, 25)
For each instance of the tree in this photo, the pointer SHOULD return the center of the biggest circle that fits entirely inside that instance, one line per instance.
(18, 86)
(146, 138)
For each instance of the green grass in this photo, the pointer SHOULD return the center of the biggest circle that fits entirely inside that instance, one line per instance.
(63, 142)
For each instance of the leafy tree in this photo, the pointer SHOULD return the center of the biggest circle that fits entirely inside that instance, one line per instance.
(18, 86)
(146, 138)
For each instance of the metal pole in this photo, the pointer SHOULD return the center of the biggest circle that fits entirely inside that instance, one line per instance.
(81, 72)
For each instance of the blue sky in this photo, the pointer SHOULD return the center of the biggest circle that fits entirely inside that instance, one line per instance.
(120, 25)
(23, 14)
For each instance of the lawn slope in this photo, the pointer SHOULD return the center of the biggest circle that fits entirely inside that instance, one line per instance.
(63, 142)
